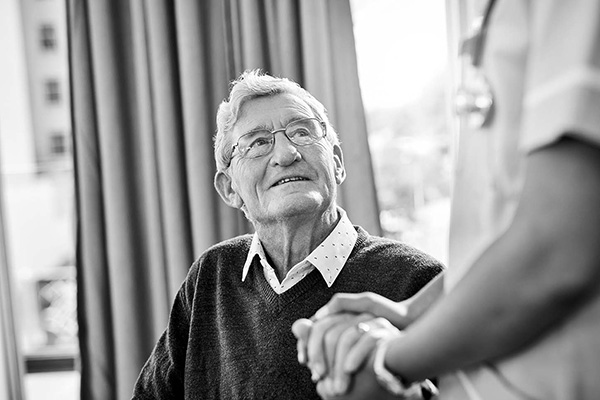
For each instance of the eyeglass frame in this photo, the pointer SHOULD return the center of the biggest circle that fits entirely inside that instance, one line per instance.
(275, 131)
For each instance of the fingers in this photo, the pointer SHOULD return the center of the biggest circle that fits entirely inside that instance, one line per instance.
(348, 340)
(335, 348)
(338, 342)
(301, 329)
(363, 384)
(331, 345)
(317, 349)
(323, 345)
(343, 302)
(325, 389)
(358, 354)
(355, 347)
(366, 302)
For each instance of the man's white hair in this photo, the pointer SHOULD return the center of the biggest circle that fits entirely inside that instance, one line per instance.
(250, 85)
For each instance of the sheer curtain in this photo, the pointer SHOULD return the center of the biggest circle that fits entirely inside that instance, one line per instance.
(146, 79)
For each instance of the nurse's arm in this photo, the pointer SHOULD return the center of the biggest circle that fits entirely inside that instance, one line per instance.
(540, 271)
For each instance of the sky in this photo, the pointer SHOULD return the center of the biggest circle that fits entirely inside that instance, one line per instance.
(401, 45)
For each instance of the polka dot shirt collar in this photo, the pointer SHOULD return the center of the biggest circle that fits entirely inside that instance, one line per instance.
(329, 257)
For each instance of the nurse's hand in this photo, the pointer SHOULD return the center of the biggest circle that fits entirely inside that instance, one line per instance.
(336, 347)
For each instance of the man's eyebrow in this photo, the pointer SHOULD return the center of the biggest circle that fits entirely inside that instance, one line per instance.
(264, 127)
(296, 118)
(258, 128)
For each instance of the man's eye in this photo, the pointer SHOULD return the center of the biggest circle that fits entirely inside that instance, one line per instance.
(262, 141)
(299, 132)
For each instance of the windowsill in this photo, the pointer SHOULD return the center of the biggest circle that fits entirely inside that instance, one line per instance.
(52, 386)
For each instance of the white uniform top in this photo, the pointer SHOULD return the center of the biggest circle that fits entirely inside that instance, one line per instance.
(542, 60)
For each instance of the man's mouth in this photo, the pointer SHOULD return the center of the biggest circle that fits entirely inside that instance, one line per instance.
(287, 180)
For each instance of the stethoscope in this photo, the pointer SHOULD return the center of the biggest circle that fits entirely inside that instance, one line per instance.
(474, 99)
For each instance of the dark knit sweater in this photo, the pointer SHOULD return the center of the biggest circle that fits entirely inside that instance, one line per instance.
(228, 339)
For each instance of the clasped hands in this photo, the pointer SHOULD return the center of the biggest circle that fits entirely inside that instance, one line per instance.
(337, 344)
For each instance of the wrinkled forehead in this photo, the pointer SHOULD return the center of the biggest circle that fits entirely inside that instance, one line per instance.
(271, 112)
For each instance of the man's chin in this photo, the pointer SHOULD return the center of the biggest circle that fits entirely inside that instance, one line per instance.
(294, 206)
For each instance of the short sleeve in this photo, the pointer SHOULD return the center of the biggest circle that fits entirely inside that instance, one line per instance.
(562, 82)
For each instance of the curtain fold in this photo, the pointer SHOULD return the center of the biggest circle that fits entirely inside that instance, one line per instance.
(146, 80)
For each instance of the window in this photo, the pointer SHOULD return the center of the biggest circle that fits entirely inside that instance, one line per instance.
(52, 92)
(58, 144)
(48, 37)
(38, 208)
(401, 50)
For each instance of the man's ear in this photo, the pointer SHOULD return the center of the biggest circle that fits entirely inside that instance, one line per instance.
(338, 159)
(224, 186)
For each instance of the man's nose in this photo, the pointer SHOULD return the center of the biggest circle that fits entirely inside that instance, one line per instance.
(284, 151)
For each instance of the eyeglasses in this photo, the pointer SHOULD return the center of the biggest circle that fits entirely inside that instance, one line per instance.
(260, 142)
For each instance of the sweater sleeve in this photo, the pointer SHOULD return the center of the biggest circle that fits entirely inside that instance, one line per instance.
(162, 377)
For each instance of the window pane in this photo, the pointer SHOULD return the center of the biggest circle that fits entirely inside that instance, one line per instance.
(38, 193)
(401, 49)
(52, 88)
(47, 37)
(58, 144)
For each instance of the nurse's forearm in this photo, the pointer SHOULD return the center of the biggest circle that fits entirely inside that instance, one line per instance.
(541, 270)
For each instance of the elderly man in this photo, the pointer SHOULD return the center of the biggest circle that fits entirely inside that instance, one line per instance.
(229, 334)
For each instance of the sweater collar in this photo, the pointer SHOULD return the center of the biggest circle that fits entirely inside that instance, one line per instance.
(328, 258)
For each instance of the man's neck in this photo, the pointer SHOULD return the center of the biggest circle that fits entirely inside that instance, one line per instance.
(290, 241)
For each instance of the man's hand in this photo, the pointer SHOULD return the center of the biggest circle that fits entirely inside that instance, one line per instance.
(320, 341)
(332, 325)
(363, 385)
(336, 347)
(335, 344)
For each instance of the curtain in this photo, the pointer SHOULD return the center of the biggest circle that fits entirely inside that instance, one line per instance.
(11, 362)
(146, 79)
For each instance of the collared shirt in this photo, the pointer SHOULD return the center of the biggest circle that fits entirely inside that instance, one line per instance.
(328, 258)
